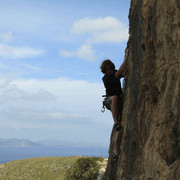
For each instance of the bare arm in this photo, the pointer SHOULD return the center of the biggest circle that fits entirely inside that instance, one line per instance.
(122, 67)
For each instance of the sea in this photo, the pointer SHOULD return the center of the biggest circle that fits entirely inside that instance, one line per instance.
(8, 154)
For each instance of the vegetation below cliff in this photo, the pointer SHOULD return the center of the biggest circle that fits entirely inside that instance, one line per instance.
(52, 168)
(37, 168)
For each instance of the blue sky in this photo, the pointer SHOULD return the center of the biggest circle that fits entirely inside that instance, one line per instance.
(50, 53)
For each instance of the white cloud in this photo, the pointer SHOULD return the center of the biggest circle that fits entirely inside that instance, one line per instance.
(11, 93)
(6, 36)
(47, 115)
(108, 36)
(16, 94)
(9, 51)
(99, 30)
(31, 67)
(85, 52)
(4, 81)
(57, 100)
(73, 110)
(107, 29)
(65, 53)
(77, 91)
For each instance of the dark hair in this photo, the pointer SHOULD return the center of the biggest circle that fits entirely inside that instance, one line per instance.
(105, 63)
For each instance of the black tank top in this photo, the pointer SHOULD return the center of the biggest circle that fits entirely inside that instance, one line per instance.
(112, 84)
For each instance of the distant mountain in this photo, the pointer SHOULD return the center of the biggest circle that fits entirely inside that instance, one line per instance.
(71, 144)
(17, 143)
(46, 143)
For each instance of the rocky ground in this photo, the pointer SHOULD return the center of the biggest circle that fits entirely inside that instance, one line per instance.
(102, 169)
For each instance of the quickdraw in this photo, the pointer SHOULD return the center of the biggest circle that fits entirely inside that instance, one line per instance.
(103, 103)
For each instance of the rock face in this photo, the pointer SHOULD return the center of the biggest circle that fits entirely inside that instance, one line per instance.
(151, 113)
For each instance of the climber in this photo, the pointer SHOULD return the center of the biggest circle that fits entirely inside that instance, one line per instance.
(113, 100)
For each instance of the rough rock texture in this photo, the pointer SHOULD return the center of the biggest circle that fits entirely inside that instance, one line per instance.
(111, 168)
(151, 114)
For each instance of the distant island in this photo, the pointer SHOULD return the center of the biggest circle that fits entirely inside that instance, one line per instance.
(18, 143)
(13, 142)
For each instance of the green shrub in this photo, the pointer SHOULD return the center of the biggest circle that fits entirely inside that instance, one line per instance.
(85, 168)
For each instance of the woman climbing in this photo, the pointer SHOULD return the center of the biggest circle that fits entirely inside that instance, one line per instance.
(113, 101)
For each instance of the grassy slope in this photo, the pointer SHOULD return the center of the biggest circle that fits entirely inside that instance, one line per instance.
(46, 168)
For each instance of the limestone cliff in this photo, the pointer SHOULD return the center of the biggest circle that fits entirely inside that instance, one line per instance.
(151, 113)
